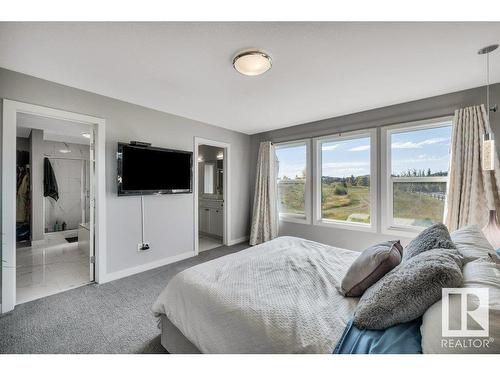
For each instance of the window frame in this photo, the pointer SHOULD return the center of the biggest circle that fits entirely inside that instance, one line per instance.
(387, 181)
(318, 220)
(292, 218)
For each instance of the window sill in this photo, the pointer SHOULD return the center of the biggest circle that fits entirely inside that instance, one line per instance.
(349, 225)
(402, 231)
(298, 219)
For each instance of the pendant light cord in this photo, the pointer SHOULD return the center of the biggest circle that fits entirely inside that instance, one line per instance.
(488, 85)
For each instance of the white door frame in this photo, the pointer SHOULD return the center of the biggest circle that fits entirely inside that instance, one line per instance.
(226, 189)
(10, 110)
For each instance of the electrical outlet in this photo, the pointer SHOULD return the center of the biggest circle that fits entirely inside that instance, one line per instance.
(143, 246)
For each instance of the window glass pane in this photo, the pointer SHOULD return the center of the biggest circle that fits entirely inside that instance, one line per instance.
(292, 163)
(418, 203)
(420, 153)
(345, 180)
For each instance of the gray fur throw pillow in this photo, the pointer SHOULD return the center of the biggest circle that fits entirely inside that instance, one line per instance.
(406, 292)
(436, 236)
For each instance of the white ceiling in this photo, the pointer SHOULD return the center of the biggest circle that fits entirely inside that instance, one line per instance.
(320, 70)
(53, 129)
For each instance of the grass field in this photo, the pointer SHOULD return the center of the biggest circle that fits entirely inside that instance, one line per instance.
(291, 197)
(413, 208)
(410, 207)
(340, 207)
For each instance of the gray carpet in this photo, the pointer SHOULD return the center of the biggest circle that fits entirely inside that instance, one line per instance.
(114, 317)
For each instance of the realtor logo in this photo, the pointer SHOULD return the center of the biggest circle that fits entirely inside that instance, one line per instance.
(472, 307)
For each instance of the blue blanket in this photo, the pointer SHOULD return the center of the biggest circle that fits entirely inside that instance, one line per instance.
(400, 339)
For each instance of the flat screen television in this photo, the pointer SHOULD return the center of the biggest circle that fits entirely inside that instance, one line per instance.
(152, 170)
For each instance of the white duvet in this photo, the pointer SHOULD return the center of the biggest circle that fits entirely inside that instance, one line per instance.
(278, 297)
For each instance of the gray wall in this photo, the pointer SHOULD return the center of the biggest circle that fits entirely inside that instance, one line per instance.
(169, 218)
(412, 111)
(22, 144)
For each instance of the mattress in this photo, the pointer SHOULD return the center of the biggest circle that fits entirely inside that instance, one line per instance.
(278, 297)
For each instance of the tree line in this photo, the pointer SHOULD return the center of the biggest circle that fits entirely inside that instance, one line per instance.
(421, 173)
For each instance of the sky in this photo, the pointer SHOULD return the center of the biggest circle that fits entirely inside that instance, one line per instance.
(420, 149)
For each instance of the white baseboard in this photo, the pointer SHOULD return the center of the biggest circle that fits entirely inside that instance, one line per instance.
(145, 267)
(159, 263)
(238, 240)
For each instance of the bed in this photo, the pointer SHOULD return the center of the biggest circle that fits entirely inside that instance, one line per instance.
(278, 297)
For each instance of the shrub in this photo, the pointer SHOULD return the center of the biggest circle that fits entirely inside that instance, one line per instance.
(340, 190)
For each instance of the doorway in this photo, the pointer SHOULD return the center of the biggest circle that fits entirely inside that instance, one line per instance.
(211, 194)
(53, 248)
(53, 189)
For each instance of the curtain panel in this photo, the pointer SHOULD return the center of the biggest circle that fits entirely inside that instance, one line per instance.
(472, 192)
(265, 207)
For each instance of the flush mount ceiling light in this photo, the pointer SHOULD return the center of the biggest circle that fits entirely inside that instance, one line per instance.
(252, 63)
(65, 150)
(86, 135)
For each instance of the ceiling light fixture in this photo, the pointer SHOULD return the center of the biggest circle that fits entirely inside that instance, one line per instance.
(86, 135)
(252, 63)
(488, 139)
(66, 150)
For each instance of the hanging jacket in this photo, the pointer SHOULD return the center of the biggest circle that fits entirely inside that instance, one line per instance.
(23, 208)
(50, 188)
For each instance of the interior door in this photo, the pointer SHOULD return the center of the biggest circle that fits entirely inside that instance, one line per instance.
(92, 205)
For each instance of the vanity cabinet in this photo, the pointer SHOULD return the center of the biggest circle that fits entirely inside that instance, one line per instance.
(211, 217)
(204, 224)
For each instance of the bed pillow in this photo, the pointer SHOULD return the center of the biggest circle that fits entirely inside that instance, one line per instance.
(406, 292)
(480, 273)
(373, 263)
(434, 237)
(471, 243)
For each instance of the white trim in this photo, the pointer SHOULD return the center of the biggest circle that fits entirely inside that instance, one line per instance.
(10, 110)
(226, 237)
(147, 266)
(387, 224)
(318, 220)
(419, 179)
(238, 240)
(295, 218)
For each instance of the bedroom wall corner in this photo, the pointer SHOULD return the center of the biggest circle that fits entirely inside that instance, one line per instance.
(427, 108)
(169, 218)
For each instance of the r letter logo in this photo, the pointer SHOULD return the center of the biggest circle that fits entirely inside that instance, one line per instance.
(474, 312)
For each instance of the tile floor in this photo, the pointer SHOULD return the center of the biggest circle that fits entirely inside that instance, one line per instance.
(50, 268)
(207, 243)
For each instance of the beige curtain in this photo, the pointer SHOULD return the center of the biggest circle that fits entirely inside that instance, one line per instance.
(265, 209)
(472, 192)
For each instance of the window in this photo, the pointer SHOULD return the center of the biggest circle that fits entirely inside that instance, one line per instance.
(293, 181)
(417, 174)
(345, 192)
